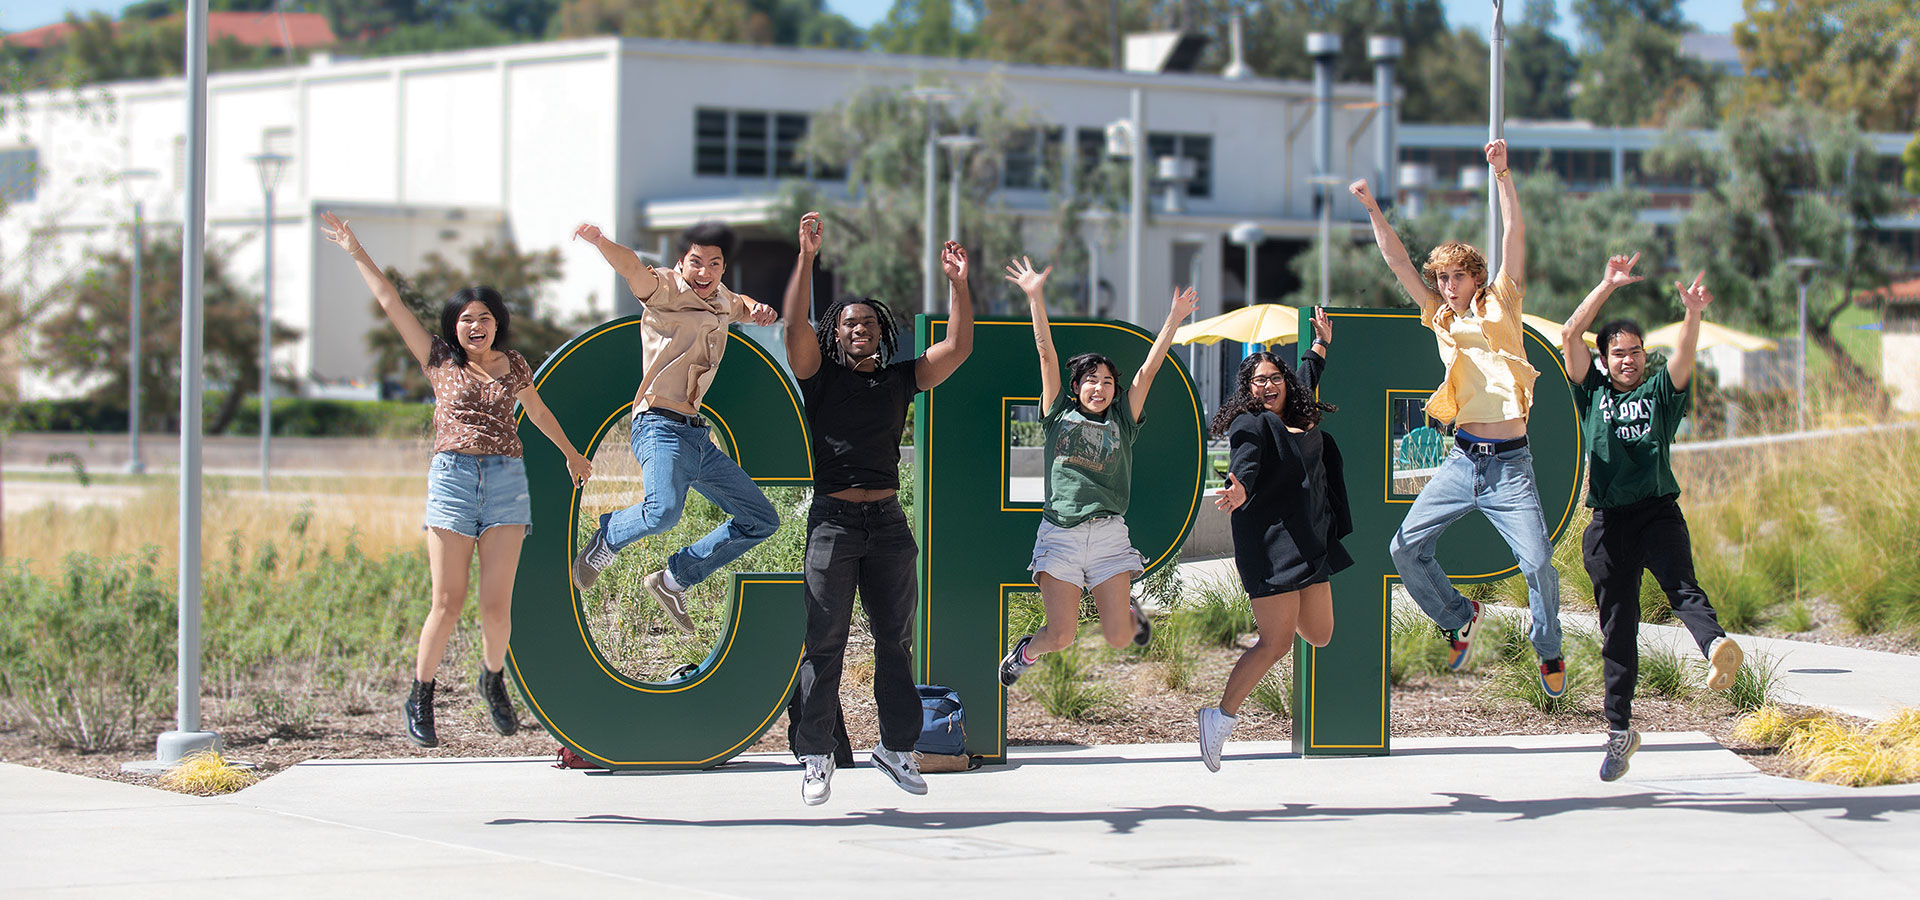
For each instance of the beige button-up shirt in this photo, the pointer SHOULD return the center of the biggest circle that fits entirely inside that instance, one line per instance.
(1488, 376)
(682, 338)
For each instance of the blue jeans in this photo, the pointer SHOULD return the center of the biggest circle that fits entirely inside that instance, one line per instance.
(468, 493)
(674, 457)
(1501, 485)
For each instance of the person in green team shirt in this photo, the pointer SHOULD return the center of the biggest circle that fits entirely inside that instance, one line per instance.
(1629, 417)
(1089, 425)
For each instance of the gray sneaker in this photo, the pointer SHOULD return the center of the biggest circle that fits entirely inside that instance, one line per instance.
(1620, 747)
(1015, 664)
(674, 602)
(593, 558)
(816, 782)
(1142, 626)
(903, 768)
(1215, 726)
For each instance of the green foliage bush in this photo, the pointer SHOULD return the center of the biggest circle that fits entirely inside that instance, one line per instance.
(292, 417)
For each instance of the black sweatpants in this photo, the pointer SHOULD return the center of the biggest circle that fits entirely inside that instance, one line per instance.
(869, 548)
(1651, 535)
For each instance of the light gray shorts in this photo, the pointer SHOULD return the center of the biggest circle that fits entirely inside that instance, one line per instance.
(1088, 553)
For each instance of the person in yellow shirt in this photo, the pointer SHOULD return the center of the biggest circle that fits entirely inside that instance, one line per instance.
(1486, 396)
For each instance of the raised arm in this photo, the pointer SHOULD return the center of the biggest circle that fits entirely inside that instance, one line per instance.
(1695, 298)
(1183, 303)
(1313, 362)
(418, 342)
(640, 278)
(1513, 247)
(1394, 252)
(1573, 343)
(1021, 273)
(803, 343)
(943, 358)
(542, 418)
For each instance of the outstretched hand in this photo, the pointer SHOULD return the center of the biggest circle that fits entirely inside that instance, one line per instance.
(810, 233)
(1620, 272)
(580, 468)
(1695, 296)
(1231, 497)
(953, 260)
(1497, 154)
(1322, 326)
(1360, 192)
(335, 229)
(588, 233)
(1185, 301)
(1021, 273)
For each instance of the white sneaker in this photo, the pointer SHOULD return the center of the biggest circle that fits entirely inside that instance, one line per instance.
(816, 783)
(1215, 726)
(674, 602)
(1723, 658)
(903, 768)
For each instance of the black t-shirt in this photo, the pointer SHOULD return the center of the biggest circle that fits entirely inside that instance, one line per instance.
(854, 420)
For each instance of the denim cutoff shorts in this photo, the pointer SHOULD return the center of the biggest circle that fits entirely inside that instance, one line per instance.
(468, 494)
(1088, 553)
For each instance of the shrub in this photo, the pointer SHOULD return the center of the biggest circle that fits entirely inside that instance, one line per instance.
(1060, 684)
(1665, 673)
(1417, 648)
(1220, 615)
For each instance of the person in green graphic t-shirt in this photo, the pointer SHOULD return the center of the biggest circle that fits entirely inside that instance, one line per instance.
(1088, 429)
(1629, 417)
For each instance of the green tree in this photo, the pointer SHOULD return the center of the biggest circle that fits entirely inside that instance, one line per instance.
(1541, 67)
(1633, 72)
(85, 335)
(803, 23)
(519, 277)
(1780, 183)
(924, 28)
(1910, 157)
(1856, 57)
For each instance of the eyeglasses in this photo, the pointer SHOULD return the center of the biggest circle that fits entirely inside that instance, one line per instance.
(1266, 380)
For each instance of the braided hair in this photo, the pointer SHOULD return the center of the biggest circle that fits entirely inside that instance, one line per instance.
(823, 328)
(1301, 409)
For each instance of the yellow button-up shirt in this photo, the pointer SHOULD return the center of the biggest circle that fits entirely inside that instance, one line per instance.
(682, 338)
(1488, 376)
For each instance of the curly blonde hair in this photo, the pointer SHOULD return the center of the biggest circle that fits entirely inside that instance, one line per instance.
(1455, 253)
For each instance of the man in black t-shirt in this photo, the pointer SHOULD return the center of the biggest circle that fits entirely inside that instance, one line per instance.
(857, 536)
(1629, 422)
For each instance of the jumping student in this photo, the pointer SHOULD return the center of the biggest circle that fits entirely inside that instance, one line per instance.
(1630, 416)
(683, 332)
(1287, 491)
(1082, 545)
(857, 397)
(477, 483)
(1487, 395)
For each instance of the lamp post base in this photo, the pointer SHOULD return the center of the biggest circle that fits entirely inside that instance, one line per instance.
(170, 748)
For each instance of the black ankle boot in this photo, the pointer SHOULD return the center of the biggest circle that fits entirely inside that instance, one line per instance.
(419, 710)
(493, 686)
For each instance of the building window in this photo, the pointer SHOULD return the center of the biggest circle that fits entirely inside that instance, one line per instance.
(1032, 159)
(19, 175)
(1651, 181)
(1196, 147)
(1090, 149)
(754, 144)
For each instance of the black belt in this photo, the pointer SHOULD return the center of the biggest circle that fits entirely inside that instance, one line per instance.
(675, 416)
(1488, 447)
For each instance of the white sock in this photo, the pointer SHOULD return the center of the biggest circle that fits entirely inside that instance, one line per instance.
(666, 578)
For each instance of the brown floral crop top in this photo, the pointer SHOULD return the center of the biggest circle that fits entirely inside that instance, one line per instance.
(473, 413)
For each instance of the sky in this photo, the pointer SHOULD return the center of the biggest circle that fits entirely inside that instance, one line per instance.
(1710, 15)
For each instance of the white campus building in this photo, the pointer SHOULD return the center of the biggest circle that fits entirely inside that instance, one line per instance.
(443, 151)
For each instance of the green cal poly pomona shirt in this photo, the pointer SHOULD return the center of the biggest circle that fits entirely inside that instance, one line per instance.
(1628, 437)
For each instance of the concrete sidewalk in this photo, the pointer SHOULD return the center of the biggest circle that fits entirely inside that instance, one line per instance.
(1489, 817)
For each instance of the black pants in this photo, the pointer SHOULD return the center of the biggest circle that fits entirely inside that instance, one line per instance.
(1651, 535)
(864, 546)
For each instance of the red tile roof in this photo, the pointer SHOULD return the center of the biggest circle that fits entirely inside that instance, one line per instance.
(303, 30)
(1901, 292)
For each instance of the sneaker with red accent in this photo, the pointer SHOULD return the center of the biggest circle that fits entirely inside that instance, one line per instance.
(1553, 676)
(1462, 641)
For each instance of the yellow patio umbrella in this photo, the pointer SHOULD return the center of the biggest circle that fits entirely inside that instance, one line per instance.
(1711, 335)
(1261, 323)
(1551, 329)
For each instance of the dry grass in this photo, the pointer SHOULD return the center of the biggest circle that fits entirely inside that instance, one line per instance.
(1827, 749)
(207, 774)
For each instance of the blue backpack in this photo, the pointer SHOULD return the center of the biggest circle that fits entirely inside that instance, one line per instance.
(943, 722)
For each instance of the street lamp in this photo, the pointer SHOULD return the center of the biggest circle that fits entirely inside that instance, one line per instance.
(1803, 267)
(271, 166)
(957, 146)
(929, 248)
(1249, 235)
(135, 182)
(1326, 183)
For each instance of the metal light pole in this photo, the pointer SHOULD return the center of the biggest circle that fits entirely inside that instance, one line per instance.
(1326, 184)
(1137, 205)
(1803, 267)
(957, 146)
(1496, 126)
(187, 737)
(271, 165)
(1249, 235)
(134, 180)
(1324, 47)
(929, 246)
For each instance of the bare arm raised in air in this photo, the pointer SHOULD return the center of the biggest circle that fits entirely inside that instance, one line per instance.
(1184, 302)
(1395, 252)
(418, 342)
(1032, 283)
(1573, 344)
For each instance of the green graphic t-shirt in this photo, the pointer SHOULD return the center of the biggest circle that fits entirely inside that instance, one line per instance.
(1089, 459)
(1628, 436)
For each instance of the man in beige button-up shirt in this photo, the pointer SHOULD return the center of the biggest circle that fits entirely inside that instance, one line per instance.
(683, 333)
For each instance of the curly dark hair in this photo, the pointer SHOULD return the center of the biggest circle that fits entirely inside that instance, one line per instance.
(1302, 408)
(829, 320)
